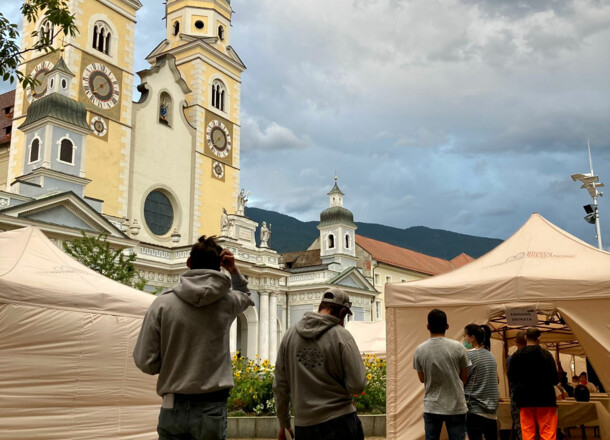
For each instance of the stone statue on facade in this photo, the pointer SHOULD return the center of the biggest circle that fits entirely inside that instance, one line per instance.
(242, 199)
(265, 234)
(225, 223)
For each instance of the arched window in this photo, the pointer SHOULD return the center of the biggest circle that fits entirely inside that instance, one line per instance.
(221, 32)
(331, 241)
(176, 28)
(66, 151)
(102, 37)
(45, 32)
(218, 95)
(34, 150)
(347, 241)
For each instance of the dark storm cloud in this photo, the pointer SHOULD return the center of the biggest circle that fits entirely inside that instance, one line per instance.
(466, 115)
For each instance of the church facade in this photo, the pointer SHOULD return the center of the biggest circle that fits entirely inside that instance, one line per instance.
(78, 154)
(159, 170)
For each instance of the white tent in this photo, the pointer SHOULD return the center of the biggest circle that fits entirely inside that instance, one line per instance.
(370, 336)
(540, 267)
(66, 340)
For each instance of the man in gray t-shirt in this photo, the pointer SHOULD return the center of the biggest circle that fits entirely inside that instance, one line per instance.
(442, 365)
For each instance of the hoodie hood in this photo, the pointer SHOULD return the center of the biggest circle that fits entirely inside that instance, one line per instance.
(201, 287)
(313, 325)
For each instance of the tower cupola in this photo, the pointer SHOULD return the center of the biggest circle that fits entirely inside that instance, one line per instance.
(337, 231)
(59, 79)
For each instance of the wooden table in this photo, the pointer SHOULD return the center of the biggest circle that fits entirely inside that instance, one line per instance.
(570, 413)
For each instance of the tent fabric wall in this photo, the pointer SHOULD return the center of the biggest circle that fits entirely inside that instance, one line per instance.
(540, 266)
(66, 348)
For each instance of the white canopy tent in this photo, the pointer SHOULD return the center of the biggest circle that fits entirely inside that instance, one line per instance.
(370, 336)
(541, 267)
(67, 337)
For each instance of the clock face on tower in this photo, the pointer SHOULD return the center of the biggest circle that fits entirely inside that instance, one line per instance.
(218, 138)
(101, 86)
(39, 88)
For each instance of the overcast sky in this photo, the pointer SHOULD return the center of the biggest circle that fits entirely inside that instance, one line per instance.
(465, 115)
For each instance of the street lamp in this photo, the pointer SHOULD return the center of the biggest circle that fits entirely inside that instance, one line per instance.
(591, 183)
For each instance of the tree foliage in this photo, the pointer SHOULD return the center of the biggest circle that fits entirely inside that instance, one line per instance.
(96, 254)
(56, 12)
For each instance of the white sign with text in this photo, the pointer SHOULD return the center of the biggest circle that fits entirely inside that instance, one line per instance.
(527, 316)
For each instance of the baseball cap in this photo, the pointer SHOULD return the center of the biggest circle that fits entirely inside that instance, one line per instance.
(336, 295)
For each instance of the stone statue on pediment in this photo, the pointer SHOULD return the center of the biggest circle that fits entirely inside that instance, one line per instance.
(265, 234)
(225, 224)
(242, 199)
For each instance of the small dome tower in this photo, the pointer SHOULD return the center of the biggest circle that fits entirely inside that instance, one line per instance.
(337, 232)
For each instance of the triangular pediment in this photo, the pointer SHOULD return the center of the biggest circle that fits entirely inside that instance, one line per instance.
(66, 210)
(353, 278)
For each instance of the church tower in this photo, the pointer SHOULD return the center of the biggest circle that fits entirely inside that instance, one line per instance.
(198, 37)
(337, 232)
(100, 61)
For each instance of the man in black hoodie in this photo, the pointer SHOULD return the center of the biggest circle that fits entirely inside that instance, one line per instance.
(532, 373)
(319, 368)
(185, 340)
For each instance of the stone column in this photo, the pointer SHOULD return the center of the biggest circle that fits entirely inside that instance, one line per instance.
(272, 327)
(233, 337)
(263, 329)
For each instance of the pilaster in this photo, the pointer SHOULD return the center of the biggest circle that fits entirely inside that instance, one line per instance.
(263, 330)
(272, 326)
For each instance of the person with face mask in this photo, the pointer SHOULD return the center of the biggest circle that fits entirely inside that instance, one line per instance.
(481, 388)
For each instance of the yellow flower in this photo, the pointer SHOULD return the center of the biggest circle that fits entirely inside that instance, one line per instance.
(251, 389)
(368, 356)
(256, 368)
(251, 363)
(234, 357)
(255, 397)
(256, 355)
(369, 376)
(237, 374)
(247, 370)
(266, 362)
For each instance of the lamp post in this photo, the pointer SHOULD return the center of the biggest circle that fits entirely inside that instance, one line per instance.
(591, 183)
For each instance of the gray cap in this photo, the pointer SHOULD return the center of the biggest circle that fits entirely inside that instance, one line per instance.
(336, 295)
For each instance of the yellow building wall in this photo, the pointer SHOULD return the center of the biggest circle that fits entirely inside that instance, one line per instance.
(175, 5)
(3, 167)
(396, 275)
(214, 195)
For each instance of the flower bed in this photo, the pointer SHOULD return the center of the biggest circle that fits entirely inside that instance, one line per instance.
(253, 390)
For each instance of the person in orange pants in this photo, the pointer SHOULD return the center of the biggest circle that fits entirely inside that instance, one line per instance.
(533, 373)
(543, 417)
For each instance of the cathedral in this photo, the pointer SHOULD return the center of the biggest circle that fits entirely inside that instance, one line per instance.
(152, 175)
(78, 154)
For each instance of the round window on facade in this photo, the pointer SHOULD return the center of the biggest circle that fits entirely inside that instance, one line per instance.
(199, 24)
(158, 213)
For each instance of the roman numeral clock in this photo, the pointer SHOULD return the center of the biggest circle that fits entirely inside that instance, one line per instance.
(101, 86)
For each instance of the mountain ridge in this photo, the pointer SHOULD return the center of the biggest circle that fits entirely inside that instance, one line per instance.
(290, 234)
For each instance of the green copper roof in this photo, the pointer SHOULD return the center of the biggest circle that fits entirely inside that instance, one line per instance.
(60, 66)
(336, 215)
(58, 107)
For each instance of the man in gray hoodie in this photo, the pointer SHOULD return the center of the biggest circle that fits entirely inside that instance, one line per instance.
(185, 340)
(319, 368)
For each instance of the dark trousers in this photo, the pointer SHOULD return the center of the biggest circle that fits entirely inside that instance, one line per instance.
(194, 418)
(455, 423)
(479, 427)
(347, 427)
